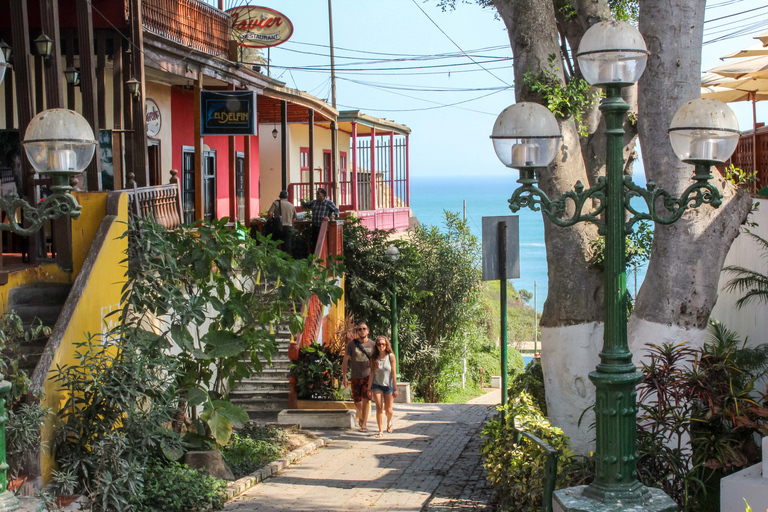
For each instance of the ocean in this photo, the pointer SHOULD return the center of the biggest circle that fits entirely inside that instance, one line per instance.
(487, 196)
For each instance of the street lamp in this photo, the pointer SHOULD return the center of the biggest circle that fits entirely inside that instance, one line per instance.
(60, 144)
(393, 253)
(612, 55)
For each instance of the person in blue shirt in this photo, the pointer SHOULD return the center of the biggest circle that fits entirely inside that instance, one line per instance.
(322, 209)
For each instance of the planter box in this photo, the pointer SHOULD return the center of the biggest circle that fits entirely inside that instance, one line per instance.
(748, 484)
(318, 418)
(403, 393)
(496, 381)
(325, 405)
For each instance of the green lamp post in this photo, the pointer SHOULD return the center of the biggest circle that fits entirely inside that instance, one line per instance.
(393, 253)
(612, 55)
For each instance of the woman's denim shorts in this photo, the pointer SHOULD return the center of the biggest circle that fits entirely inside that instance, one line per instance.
(387, 390)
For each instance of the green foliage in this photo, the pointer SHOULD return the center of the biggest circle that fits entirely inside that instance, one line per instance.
(625, 10)
(753, 284)
(565, 101)
(488, 357)
(22, 432)
(516, 470)
(174, 487)
(706, 396)
(531, 382)
(739, 177)
(13, 333)
(637, 247)
(209, 277)
(245, 455)
(520, 319)
(318, 371)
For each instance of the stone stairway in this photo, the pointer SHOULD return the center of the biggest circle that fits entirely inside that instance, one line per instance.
(265, 394)
(41, 300)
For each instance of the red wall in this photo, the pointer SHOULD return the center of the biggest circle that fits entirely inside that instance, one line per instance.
(183, 134)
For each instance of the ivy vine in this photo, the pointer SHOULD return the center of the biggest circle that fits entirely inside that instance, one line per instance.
(569, 101)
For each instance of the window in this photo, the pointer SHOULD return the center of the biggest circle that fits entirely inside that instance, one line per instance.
(304, 163)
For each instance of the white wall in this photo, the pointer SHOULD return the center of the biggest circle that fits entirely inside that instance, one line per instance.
(161, 94)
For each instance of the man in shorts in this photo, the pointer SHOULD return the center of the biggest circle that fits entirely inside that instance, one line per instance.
(359, 352)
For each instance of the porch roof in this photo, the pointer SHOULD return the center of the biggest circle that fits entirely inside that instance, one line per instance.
(299, 104)
(366, 122)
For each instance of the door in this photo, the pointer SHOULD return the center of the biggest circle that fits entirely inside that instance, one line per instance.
(240, 186)
(155, 172)
(327, 167)
(209, 185)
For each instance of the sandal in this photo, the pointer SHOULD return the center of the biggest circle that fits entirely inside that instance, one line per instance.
(389, 428)
(363, 429)
(379, 435)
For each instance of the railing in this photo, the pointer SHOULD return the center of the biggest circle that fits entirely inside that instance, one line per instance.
(191, 23)
(550, 465)
(298, 192)
(385, 218)
(745, 156)
(162, 202)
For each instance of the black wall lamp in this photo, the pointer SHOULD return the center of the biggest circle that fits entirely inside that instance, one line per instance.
(134, 87)
(7, 51)
(44, 47)
(72, 75)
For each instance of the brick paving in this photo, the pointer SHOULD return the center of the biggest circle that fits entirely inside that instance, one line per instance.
(430, 463)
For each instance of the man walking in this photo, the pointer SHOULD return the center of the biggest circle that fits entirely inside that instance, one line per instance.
(287, 213)
(359, 351)
(322, 209)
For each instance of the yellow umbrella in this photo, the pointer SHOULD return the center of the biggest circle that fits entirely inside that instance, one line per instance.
(756, 50)
(748, 67)
(728, 95)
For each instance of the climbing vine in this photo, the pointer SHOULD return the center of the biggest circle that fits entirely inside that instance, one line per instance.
(569, 101)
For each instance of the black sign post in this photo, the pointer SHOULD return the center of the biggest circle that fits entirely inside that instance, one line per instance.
(228, 112)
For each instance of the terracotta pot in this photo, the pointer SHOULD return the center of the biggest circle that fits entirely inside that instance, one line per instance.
(15, 483)
(64, 501)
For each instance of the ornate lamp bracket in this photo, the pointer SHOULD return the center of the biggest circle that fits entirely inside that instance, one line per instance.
(700, 192)
(58, 204)
(528, 195)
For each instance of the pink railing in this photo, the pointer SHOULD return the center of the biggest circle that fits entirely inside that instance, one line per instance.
(298, 192)
(385, 218)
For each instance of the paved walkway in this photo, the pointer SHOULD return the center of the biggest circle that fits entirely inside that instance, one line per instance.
(429, 463)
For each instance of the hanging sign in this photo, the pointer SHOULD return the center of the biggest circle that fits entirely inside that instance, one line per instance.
(154, 118)
(228, 112)
(259, 27)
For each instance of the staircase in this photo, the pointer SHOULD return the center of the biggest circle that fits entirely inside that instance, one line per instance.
(265, 394)
(41, 300)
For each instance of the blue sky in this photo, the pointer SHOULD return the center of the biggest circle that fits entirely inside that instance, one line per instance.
(445, 140)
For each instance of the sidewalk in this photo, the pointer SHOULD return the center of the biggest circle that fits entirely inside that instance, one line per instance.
(429, 463)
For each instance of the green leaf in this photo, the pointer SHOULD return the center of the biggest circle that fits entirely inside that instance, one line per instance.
(221, 427)
(223, 344)
(196, 396)
(231, 411)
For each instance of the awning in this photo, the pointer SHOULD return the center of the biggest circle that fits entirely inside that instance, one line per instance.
(748, 67)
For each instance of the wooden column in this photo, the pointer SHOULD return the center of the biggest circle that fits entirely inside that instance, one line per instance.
(23, 75)
(284, 143)
(392, 169)
(101, 78)
(334, 159)
(232, 173)
(39, 80)
(247, 180)
(49, 17)
(117, 112)
(88, 86)
(70, 62)
(353, 177)
(373, 169)
(311, 162)
(9, 115)
(407, 172)
(140, 155)
(128, 100)
(199, 206)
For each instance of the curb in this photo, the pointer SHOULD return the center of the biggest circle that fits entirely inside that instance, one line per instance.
(241, 485)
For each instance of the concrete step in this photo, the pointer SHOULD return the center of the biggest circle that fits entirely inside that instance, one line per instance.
(47, 313)
(278, 392)
(258, 386)
(40, 293)
(255, 408)
(268, 374)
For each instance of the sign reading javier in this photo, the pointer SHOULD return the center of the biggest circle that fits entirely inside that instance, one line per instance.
(228, 112)
(259, 27)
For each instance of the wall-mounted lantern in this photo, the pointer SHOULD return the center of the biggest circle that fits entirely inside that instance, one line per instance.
(44, 47)
(134, 87)
(6, 50)
(72, 75)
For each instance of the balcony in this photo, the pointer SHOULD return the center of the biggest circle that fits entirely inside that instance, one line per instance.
(745, 155)
(191, 23)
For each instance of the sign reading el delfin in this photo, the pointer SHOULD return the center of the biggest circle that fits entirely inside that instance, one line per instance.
(228, 112)
(259, 27)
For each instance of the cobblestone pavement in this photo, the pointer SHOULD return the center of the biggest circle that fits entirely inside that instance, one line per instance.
(429, 463)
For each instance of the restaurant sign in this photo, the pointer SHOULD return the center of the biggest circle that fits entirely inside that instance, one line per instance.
(259, 27)
(228, 112)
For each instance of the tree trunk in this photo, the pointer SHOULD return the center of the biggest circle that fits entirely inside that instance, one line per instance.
(681, 285)
(680, 288)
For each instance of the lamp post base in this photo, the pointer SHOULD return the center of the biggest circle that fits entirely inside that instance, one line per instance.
(572, 499)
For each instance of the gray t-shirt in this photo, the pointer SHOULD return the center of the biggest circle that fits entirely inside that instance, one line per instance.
(383, 376)
(358, 360)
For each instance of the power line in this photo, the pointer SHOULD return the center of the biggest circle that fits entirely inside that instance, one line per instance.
(455, 44)
(439, 105)
(324, 67)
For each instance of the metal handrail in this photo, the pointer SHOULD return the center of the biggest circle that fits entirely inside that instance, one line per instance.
(550, 465)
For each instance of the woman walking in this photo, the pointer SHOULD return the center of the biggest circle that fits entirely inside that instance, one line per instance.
(383, 381)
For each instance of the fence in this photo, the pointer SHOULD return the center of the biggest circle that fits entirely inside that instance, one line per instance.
(191, 23)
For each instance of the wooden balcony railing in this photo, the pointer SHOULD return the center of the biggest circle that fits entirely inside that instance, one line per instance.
(745, 157)
(192, 23)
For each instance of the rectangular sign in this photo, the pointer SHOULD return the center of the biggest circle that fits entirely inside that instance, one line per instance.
(491, 247)
(228, 112)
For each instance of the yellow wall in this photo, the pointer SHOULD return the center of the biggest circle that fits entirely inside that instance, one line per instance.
(336, 316)
(100, 295)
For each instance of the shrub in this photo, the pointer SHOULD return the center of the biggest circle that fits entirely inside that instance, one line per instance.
(245, 455)
(531, 381)
(175, 487)
(516, 470)
(318, 371)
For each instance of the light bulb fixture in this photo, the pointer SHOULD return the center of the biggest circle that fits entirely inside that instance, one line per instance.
(134, 87)
(274, 132)
(393, 253)
(72, 75)
(5, 48)
(44, 47)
